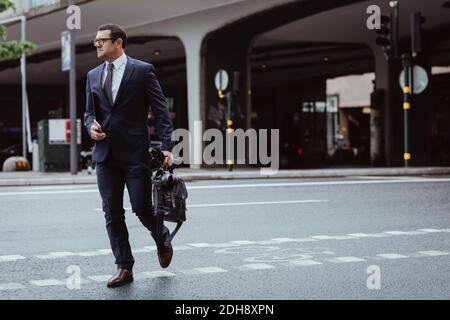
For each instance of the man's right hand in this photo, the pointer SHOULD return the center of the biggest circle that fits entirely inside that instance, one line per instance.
(96, 132)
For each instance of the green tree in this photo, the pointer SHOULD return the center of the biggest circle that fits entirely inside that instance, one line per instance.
(12, 49)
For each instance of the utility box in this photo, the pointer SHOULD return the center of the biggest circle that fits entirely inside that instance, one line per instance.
(54, 145)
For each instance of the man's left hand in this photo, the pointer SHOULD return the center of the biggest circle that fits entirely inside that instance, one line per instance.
(168, 161)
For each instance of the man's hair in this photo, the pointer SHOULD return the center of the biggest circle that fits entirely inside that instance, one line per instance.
(116, 32)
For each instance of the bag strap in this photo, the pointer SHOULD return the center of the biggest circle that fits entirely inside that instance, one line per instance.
(172, 235)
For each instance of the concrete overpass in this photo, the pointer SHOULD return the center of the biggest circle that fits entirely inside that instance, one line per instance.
(273, 44)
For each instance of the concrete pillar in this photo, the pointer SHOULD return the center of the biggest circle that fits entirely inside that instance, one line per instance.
(386, 120)
(195, 97)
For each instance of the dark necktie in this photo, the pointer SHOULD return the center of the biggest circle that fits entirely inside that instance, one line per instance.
(108, 84)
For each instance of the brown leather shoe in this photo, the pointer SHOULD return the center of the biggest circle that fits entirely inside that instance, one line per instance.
(165, 254)
(122, 277)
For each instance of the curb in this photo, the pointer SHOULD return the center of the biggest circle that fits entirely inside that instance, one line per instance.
(284, 174)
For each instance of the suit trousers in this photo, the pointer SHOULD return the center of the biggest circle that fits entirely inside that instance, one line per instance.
(112, 176)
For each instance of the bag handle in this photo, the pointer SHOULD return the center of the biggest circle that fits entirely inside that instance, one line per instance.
(172, 235)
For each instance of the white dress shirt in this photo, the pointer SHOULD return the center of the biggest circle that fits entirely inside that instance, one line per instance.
(118, 71)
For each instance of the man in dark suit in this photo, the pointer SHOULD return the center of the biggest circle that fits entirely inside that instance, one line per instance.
(119, 93)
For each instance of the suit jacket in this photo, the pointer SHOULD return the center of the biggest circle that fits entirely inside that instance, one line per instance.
(125, 122)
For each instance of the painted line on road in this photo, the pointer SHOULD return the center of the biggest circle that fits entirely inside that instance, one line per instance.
(238, 186)
(214, 270)
(433, 253)
(318, 183)
(346, 259)
(62, 254)
(48, 282)
(11, 258)
(11, 286)
(233, 243)
(258, 266)
(31, 193)
(101, 277)
(233, 204)
(391, 256)
(401, 233)
(210, 270)
(304, 263)
(158, 274)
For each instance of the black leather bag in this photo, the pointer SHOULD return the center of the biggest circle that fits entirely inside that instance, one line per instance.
(169, 198)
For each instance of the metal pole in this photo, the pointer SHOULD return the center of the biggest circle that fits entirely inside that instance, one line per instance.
(407, 93)
(73, 104)
(23, 69)
(230, 132)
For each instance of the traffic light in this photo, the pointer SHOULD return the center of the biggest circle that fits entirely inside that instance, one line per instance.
(416, 32)
(388, 35)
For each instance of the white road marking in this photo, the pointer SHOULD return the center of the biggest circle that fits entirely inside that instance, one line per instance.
(305, 240)
(242, 242)
(11, 258)
(433, 253)
(11, 286)
(105, 251)
(234, 204)
(230, 244)
(319, 183)
(253, 185)
(282, 240)
(199, 245)
(210, 270)
(46, 256)
(401, 233)
(258, 266)
(101, 278)
(266, 242)
(346, 237)
(322, 237)
(430, 230)
(305, 262)
(32, 193)
(48, 282)
(62, 254)
(368, 235)
(385, 177)
(347, 259)
(158, 274)
(391, 256)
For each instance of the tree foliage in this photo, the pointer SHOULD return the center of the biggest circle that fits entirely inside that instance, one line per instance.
(12, 49)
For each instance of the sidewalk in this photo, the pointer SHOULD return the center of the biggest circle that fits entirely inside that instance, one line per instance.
(41, 179)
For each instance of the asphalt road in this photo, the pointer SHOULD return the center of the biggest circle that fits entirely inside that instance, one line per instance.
(349, 238)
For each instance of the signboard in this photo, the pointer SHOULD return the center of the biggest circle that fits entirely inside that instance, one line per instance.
(59, 131)
(65, 51)
(420, 78)
(222, 80)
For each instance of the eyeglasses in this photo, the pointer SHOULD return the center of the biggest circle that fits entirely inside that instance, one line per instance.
(101, 41)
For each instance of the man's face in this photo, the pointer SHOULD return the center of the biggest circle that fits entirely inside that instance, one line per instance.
(106, 48)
